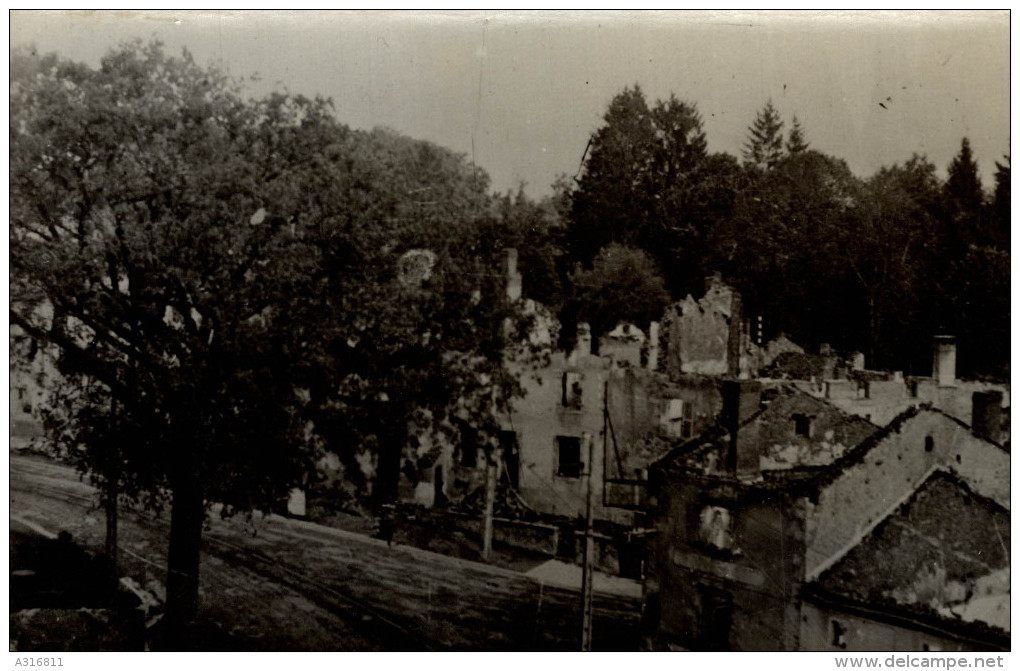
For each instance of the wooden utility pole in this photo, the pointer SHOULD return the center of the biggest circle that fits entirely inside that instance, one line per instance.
(491, 466)
(586, 570)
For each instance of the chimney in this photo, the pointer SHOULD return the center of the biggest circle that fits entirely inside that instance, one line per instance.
(712, 280)
(513, 278)
(740, 400)
(733, 340)
(653, 346)
(584, 339)
(986, 415)
(944, 366)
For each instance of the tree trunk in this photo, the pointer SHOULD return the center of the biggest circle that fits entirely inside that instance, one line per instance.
(111, 494)
(187, 515)
(110, 506)
(391, 450)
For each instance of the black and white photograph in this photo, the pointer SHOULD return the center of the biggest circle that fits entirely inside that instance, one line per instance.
(509, 331)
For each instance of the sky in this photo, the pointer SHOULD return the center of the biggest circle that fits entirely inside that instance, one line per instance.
(521, 93)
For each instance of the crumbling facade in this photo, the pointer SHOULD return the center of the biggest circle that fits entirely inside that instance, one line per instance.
(618, 404)
(752, 515)
(708, 336)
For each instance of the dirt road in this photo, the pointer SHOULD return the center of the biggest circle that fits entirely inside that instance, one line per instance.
(284, 584)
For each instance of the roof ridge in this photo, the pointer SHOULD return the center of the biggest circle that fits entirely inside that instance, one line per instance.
(829, 404)
(969, 427)
(936, 471)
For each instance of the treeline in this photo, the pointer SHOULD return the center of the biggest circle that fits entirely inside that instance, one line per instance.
(877, 264)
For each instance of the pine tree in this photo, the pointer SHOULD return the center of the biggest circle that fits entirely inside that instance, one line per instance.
(1000, 200)
(963, 187)
(795, 143)
(764, 146)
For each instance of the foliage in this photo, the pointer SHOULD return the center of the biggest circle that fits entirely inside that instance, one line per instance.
(764, 146)
(877, 265)
(963, 185)
(535, 231)
(650, 182)
(795, 142)
(622, 285)
(999, 216)
(227, 271)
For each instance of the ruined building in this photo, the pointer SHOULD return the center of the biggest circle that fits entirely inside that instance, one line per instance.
(709, 336)
(880, 396)
(766, 523)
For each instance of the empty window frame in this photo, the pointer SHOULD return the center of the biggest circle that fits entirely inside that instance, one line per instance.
(912, 388)
(802, 425)
(715, 527)
(678, 418)
(572, 396)
(568, 456)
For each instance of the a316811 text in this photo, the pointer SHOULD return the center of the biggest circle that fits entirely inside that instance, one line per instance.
(38, 661)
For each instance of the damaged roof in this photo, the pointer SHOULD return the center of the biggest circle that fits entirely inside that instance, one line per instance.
(808, 474)
(827, 433)
(941, 558)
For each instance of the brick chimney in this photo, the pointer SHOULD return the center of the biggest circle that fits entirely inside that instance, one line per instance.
(712, 280)
(733, 339)
(944, 365)
(513, 277)
(986, 415)
(740, 400)
(584, 339)
(653, 346)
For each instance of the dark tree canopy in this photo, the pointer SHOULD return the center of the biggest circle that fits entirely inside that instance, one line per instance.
(610, 202)
(822, 255)
(650, 182)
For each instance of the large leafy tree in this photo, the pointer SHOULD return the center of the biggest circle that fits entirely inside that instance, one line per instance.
(244, 281)
(535, 230)
(622, 285)
(135, 198)
(611, 200)
(649, 182)
(412, 277)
